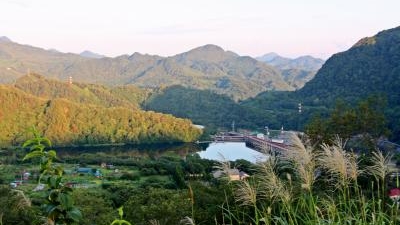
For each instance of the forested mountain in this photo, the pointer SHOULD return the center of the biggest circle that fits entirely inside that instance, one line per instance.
(210, 67)
(207, 67)
(66, 122)
(296, 71)
(202, 107)
(371, 66)
(127, 96)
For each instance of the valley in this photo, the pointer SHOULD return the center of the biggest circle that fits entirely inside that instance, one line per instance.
(91, 139)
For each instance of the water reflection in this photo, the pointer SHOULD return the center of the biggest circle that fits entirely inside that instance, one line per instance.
(131, 151)
(214, 151)
(232, 151)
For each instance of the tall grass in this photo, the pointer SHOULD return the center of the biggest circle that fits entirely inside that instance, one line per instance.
(304, 185)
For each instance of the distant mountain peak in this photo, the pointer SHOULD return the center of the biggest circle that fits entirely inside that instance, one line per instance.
(307, 57)
(5, 39)
(89, 54)
(208, 52)
(208, 48)
(53, 50)
(268, 57)
(137, 56)
(211, 47)
(296, 71)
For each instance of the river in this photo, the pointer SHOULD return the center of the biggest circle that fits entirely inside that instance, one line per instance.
(214, 151)
(231, 151)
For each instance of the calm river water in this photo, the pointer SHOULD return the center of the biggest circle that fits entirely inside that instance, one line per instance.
(231, 151)
(215, 151)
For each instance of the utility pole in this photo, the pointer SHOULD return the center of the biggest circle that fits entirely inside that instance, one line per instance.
(298, 119)
(233, 126)
(267, 132)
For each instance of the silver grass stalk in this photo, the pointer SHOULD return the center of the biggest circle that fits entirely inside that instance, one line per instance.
(154, 222)
(21, 200)
(187, 221)
(339, 163)
(271, 186)
(380, 167)
(302, 159)
(246, 194)
(224, 166)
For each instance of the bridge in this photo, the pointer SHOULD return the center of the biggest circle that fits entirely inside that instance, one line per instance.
(260, 144)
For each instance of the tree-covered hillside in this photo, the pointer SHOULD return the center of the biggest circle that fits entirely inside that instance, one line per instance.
(219, 111)
(202, 107)
(127, 96)
(66, 122)
(371, 66)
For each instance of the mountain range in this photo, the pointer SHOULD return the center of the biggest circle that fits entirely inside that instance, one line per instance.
(207, 67)
(295, 72)
(371, 66)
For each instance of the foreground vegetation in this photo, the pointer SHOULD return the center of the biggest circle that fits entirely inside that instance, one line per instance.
(149, 188)
(305, 185)
(325, 185)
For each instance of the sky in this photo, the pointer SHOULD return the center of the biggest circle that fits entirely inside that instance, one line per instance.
(290, 28)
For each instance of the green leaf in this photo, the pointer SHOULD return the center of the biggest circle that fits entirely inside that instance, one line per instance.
(35, 154)
(45, 141)
(53, 195)
(37, 147)
(74, 214)
(50, 209)
(120, 222)
(52, 154)
(58, 180)
(52, 182)
(28, 143)
(121, 211)
(59, 171)
(65, 200)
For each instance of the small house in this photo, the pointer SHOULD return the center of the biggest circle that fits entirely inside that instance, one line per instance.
(84, 170)
(89, 171)
(233, 174)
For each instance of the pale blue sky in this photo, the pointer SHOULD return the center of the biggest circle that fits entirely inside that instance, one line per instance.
(167, 27)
